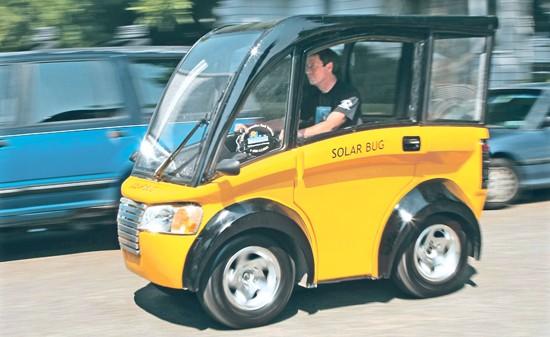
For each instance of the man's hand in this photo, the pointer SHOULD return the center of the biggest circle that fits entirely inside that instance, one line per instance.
(240, 128)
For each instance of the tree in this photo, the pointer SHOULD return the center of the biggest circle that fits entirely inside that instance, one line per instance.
(163, 15)
(81, 23)
(77, 22)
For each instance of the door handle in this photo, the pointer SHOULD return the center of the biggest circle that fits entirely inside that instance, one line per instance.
(3, 143)
(116, 134)
(411, 143)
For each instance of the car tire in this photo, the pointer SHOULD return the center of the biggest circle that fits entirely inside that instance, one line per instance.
(250, 283)
(503, 188)
(434, 262)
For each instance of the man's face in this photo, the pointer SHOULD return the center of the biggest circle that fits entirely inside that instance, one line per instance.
(316, 72)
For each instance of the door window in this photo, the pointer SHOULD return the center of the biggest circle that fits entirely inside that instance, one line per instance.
(258, 127)
(381, 71)
(70, 91)
(509, 108)
(150, 77)
(7, 97)
(375, 81)
(458, 70)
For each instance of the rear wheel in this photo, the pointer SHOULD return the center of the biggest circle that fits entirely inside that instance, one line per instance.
(250, 283)
(503, 186)
(435, 262)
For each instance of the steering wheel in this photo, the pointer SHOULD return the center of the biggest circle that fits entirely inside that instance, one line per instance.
(257, 140)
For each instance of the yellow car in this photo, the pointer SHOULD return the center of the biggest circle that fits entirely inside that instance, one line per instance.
(248, 183)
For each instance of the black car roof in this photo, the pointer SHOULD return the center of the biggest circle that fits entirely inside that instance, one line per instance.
(302, 24)
(69, 53)
(279, 35)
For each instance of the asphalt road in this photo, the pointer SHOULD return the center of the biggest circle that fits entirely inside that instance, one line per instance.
(75, 284)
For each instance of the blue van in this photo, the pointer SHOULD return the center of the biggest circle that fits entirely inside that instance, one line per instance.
(518, 118)
(69, 121)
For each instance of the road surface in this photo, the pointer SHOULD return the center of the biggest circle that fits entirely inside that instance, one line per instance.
(76, 285)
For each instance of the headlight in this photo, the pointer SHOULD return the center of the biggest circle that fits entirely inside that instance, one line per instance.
(172, 219)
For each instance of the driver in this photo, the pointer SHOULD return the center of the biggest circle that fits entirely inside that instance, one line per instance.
(332, 104)
(329, 105)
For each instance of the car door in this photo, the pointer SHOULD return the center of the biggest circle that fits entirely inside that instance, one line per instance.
(349, 180)
(9, 119)
(69, 153)
(535, 145)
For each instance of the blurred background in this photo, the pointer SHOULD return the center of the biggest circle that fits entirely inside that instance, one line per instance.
(522, 52)
(79, 81)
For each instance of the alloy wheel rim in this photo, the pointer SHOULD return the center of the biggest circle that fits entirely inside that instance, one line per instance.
(437, 252)
(251, 278)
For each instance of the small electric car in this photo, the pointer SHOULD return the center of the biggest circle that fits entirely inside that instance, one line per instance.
(240, 215)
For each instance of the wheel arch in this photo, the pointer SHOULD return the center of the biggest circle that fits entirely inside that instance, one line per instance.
(255, 216)
(504, 155)
(428, 199)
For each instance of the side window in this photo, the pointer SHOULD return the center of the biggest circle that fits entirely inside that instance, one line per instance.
(258, 126)
(381, 71)
(150, 77)
(509, 108)
(8, 98)
(268, 98)
(364, 82)
(458, 69)
(330, 101)
(70, 91)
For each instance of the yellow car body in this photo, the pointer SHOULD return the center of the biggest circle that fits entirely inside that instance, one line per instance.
(240, 209)
(343, 215)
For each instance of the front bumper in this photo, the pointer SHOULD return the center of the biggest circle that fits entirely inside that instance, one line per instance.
(161, 259)
(158, 257)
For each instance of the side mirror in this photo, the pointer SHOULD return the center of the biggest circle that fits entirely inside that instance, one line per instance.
(546, 122)
(230, 167)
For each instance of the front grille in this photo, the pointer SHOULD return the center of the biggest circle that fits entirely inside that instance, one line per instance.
(129, 216)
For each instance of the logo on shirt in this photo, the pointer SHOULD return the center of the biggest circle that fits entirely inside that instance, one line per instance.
(347, 103)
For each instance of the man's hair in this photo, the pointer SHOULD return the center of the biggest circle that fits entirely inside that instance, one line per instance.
(328, 55)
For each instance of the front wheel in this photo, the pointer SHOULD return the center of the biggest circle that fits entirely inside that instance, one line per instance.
(435, 262)
(250, 283)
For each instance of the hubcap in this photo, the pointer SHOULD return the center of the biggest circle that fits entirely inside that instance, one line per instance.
(437, 253)
(251, 278)
(503, 184)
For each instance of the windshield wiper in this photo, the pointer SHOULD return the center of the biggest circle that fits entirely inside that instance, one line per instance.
(162, 167)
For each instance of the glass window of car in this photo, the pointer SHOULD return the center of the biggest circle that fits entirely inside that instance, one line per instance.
(458, 70)
(381, 71)
(150, 77)
(69, 91)
(510, 108)
(7, 97)
(193, 94)
(257, 128)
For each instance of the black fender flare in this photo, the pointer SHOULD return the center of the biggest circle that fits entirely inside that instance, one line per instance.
(279, 222)
(425, 200)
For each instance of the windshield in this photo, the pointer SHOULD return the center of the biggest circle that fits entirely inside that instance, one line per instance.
(192, 94)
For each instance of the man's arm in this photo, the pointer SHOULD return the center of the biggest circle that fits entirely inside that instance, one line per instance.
(346, 110)
(334, 120)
